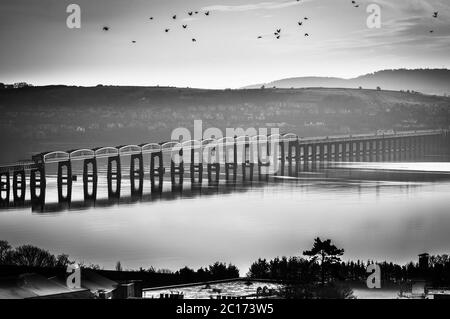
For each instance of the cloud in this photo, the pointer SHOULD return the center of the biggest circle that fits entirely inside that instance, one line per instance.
(254, 6)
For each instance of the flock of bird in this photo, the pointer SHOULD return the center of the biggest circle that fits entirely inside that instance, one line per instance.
(277, 32)
(435, 15)
(167, 30)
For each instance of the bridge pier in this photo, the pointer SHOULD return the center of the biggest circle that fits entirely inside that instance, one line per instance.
(410, 146)
(282, 158)
(294, 155)
(364, 150)
(437, 144)
(416, 141)
(378, 148)
(293, 151)
(231, 165)
(415, 148)
(90, 176)
(177, 170)
(428, 147)
(400, 144)
(65, 179)
(4, 189)
(382, 149)
(302, 151)
(114, 174)
(247, 172)
(19, 187)
(344, 153)
(329, 156)
(422, 147)
(394, 149)
(336, 153)
(309, 152)
(358, 151)
(263, 165)
(156, 173)
(351, 151)
(137, 173)
(313, 153)
(321, 152)
(38, 185)
(390, 144)
(446, 144)
(196, 167)
(213, 174)
(233, 168)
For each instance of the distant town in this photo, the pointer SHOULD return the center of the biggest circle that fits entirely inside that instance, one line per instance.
(18, 85)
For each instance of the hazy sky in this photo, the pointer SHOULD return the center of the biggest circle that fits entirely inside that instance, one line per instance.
(36, 46)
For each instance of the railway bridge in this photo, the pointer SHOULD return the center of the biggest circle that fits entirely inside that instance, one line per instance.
(232, 154)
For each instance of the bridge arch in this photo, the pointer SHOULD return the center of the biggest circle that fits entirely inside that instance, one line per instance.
(57, 156)
(129, 150)
(107, 151)
(151, 148)
(82, 154)
(169, 146)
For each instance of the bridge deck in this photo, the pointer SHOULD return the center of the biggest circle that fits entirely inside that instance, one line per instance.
(59, 156)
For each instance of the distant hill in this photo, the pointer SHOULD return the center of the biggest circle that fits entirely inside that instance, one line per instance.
(428, 81)
(37, 119)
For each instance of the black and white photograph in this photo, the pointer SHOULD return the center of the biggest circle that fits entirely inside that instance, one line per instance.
(238, 153)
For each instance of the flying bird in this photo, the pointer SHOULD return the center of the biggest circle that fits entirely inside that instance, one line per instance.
(174, 17)
(278, 30)
(194, 40)
(196, 12)
(356, 6)
(431, 31)
(278, 36)
(435, 14)
(306, 18)
(207, 13)
(133, 41)
(151, 18)
(105, 28)
(259, 37)
(190, 13)
(306, 35)
(300, 23)
(184, 26)
(167, 30)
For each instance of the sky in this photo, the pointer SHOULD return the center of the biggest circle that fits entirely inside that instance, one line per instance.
(36, 45)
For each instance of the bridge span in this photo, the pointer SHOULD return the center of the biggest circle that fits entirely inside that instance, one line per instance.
(228, 153)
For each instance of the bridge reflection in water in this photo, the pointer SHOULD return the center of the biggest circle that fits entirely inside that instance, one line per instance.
(241, 162)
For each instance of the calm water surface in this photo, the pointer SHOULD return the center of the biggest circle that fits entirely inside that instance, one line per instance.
(379, 211)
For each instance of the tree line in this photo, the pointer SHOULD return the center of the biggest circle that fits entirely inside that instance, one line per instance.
(318, 273)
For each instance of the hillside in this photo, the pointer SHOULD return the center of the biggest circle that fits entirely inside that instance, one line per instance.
(428, 81)
(58, 117)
